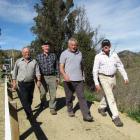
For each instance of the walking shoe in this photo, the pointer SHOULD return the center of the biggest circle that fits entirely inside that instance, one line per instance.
(71, 114)
(53, 111)
(102, 111)
(88, 118)
(118, 122)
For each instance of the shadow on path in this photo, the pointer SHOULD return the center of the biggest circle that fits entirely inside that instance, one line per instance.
(61, 102)
(35, 127)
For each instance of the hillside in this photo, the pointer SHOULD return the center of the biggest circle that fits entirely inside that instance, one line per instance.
(130, 59)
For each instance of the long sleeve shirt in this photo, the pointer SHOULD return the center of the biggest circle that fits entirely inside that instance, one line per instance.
(107, 65)
(48, 64)
(24, 71)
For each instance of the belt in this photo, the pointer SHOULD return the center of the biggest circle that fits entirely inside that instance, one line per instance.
(107, 75)
(27, 82)
(48, 74)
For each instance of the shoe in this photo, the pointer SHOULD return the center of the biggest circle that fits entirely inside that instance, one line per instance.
(102, 111)
(117, 121)
(71, 114)
(53, 111)
(88, 118)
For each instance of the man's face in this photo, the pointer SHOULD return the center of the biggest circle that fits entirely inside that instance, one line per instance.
(26, 53)
(72, 45)
(106, 49)
(46, 48)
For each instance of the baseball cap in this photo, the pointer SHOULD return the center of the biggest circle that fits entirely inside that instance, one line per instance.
(47, 43)
(105, 42)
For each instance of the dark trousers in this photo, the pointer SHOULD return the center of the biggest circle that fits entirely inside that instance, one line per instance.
(78, 87)
(26, 90)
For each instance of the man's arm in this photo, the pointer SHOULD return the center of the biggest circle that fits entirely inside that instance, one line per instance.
(38, 75)
(121, 69)
(82, 68)
(62, 71)
(95, 73)
(14, 76)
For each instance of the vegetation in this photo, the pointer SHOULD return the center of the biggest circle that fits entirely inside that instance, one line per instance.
(57, 21)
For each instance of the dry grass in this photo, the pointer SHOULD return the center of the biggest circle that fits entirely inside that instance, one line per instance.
(128, 97)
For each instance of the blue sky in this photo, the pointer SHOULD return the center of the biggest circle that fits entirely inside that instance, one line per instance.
(117, 20)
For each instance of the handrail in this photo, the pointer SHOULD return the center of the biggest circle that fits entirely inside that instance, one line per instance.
(7, 115)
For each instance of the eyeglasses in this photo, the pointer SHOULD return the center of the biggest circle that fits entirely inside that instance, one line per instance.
(106, 47)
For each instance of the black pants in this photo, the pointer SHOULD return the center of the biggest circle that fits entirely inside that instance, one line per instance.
(25, 93)
(78, 87)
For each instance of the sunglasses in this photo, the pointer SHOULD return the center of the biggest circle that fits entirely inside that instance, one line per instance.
(106, 47)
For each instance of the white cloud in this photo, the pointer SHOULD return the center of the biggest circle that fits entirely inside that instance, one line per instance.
(16, 12)
(10, 42)
(118, 19)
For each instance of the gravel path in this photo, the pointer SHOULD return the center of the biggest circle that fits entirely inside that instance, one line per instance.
(62, 127)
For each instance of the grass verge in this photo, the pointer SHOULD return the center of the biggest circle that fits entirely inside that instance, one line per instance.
(135, 115)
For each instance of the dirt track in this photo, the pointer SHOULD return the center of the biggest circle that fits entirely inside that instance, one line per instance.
(62, 127)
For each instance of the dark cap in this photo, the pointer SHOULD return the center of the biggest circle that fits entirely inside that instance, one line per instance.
(47, 43)
(106, 42)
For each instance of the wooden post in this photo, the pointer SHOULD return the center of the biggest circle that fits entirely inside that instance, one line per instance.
(14, 120)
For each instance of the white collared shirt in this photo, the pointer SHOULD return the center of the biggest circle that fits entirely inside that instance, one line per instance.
(107, 65)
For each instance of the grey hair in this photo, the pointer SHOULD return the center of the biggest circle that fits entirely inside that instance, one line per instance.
(25, 48)
(73, 39)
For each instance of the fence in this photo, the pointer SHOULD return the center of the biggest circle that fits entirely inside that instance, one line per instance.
(11, 117)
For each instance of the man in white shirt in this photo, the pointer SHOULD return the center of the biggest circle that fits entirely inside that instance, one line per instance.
(105, 66)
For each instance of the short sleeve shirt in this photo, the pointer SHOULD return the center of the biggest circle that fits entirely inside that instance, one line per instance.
(72, 64)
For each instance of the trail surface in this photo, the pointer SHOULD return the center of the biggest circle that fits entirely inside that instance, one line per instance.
(63, 127)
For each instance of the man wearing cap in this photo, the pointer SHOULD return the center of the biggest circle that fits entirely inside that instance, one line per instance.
(71, 69)
(49, 76)
(106, 63)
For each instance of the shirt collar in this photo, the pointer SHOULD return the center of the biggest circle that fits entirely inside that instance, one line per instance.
(77, 52)
(22, 59)
(45, 54)
(110, 53)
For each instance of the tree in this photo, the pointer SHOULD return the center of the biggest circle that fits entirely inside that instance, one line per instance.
(51, 23)
(85, 34)
(57, 22)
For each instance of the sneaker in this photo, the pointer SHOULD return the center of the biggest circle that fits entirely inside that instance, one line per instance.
(88, 118)
(102, 111)
(71, 114)
(117, 121)
(53, 111)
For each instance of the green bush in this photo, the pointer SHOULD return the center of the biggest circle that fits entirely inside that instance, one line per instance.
(89, 95)
(134, 115)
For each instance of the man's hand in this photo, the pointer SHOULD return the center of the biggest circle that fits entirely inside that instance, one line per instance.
(66, 78)
(38, 83)
(126, 82)
(98, 88)
(14, 85)
(57, 81)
